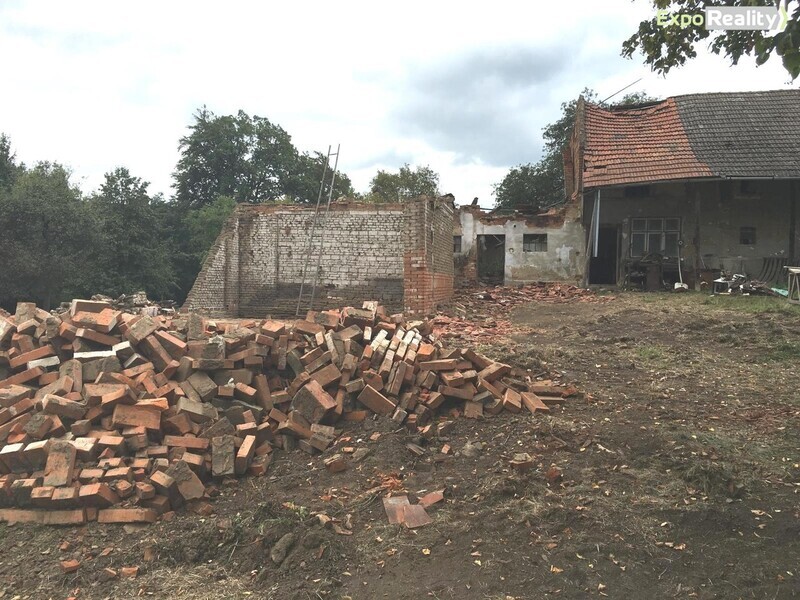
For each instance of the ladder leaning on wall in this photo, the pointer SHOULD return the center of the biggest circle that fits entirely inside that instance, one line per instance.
(316, 225)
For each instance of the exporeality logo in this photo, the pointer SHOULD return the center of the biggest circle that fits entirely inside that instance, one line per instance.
(763, 18)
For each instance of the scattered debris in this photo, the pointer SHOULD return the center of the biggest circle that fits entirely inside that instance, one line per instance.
(123, 418)
(738, 284)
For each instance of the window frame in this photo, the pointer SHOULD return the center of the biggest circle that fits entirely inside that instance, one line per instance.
(458, 239)
(650, 229)
(534, 245)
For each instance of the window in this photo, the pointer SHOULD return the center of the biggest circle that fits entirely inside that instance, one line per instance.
(747, 236)
(456, 244)
(655, 236)
(534, 242)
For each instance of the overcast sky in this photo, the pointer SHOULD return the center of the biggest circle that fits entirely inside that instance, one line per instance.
(464, 88)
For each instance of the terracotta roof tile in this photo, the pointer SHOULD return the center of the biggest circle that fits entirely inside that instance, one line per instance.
(741, 134)
(638, 145)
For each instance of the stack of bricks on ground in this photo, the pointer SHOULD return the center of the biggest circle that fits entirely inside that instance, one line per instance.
(121, 418)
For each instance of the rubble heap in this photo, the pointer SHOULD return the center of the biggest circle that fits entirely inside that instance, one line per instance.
(119, 417)
(511, 296)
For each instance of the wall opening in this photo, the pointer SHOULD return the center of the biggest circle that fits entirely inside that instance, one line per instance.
(491, 258)
(534, 242)
(603, 268)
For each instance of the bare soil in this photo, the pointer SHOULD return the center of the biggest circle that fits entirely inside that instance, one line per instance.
(680, 478)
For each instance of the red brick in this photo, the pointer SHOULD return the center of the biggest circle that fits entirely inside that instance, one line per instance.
(70, 565)
(245, 454)
(375, 401)
(23, 377)
(186, 441)
(175, 346)
(137, 416)
(447, 364)
(494, 371)
(60, 468)
(313, 402)
(97, 495)
(97, 337)
(533, 403)
(512, 401)
(127, 515)
(26, 357)
(187, 483)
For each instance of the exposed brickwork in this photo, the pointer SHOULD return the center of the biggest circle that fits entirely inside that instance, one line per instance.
(255, 267)
(216, 288)
(428, 262)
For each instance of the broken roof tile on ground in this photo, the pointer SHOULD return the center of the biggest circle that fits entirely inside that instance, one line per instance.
(122, 418)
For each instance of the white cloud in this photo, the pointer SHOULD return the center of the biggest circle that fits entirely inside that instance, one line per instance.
(96, 85)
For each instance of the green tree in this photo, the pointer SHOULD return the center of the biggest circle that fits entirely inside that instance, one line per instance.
(406, 183)
(665, 46)
(535, 186)
(249, 159)
(306, 177)
(8, 164)
(46, 237)
(204, 225)
(134, 253)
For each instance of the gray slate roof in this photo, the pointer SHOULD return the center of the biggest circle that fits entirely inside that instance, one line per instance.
(744, 134)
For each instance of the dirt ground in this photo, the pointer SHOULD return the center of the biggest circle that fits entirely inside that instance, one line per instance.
(680, 479)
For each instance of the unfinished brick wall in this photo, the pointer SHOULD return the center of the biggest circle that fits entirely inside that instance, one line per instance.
(255, 267)
(428, 260)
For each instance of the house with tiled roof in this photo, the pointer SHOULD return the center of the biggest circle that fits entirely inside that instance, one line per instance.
(687, 187)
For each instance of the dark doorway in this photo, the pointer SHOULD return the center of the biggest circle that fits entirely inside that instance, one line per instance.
(603, 268)
(491, 258)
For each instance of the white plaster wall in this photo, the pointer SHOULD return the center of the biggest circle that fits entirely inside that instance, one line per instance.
(563, 260)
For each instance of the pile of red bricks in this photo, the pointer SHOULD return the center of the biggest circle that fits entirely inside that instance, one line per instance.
(122, 418)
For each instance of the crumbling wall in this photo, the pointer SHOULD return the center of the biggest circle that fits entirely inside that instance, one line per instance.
(218, 292)
(357, 258)
(562, 261)
(256, 266)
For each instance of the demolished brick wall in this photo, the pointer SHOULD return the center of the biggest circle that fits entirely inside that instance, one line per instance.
(256, 265)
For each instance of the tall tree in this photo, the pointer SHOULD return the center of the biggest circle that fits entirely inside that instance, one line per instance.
(668, 45)
(8, 164)
(534, 186)
(135, 252)
(406, 183)
(247, 158)
(204, 225)
(307, 176)
(47, 237)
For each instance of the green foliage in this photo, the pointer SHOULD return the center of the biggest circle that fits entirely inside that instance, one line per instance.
(8, 165)
(47, 231)
(204, 224)
(535, 186)
(249, 159)
(306, 177)
(406, 183)
(135, 252)
(665, 47)
(56, 245)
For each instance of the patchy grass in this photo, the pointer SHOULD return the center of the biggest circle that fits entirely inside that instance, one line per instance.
(783, 351)
(652, 353)
(744, 304)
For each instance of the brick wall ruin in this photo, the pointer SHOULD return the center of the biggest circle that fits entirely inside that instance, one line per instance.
(398, 254)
